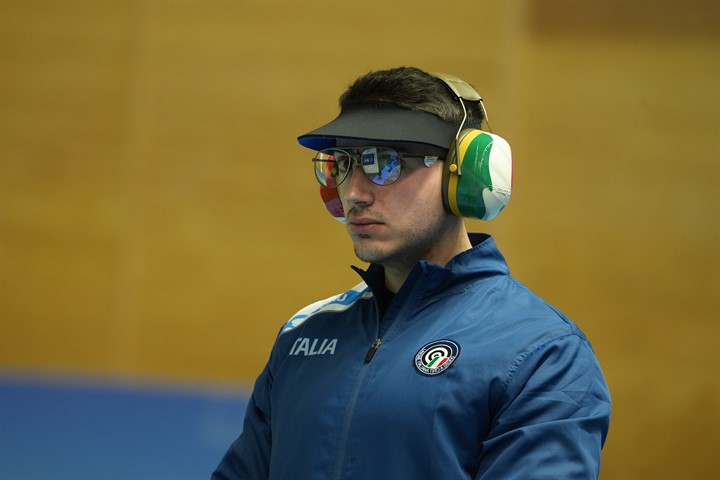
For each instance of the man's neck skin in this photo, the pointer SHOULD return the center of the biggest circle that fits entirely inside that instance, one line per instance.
(453, 243)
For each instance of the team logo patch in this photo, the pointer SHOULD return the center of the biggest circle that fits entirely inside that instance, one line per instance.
(436, 357)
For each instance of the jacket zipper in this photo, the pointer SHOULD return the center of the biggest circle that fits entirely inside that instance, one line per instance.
(344, 434)
(373, 348)
(350, 411)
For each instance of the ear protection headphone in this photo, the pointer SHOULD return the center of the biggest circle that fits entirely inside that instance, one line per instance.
(478, 170)
(477, 173)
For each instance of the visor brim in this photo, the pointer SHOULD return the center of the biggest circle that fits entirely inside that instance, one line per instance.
(382, 124)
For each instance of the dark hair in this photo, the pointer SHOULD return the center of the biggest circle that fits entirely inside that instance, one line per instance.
(412, 89)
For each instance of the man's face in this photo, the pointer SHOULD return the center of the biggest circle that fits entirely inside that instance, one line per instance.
(399, 224)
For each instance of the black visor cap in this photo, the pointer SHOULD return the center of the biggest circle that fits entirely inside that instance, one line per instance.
(382, 124)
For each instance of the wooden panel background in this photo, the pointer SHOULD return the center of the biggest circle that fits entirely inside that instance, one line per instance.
(159, 221)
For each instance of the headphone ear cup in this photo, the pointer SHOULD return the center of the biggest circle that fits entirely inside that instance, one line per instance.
(331, 199)
(477, 180)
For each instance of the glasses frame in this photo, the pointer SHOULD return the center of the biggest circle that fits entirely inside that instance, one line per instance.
(356, 153)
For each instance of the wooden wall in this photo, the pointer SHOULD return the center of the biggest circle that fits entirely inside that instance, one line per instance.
(159, 222)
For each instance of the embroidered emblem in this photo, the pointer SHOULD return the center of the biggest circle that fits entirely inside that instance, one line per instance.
(436, 356)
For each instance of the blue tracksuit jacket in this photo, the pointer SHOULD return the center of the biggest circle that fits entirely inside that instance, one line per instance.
(474, 377)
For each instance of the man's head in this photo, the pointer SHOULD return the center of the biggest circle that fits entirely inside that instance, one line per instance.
(382, 164)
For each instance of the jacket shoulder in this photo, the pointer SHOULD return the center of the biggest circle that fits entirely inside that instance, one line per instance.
(336, 303)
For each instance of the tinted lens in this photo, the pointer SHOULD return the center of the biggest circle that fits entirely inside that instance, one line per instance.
(381, 165)
(331, 167)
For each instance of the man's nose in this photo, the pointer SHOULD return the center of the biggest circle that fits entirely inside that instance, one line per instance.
(358, 189)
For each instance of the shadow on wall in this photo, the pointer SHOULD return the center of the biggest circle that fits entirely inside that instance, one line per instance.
(88, 431)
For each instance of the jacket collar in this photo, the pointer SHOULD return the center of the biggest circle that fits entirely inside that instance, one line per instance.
(482, 260)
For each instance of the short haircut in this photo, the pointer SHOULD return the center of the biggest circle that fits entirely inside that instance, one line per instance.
(412, 89)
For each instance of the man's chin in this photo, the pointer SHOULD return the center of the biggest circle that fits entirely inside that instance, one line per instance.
(369, 253)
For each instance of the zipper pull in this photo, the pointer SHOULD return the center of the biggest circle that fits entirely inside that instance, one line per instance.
(373, 348)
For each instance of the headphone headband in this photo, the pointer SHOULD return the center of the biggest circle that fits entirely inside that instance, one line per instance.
(460, 88)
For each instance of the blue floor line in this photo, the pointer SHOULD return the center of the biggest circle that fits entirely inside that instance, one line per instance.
(74, 431)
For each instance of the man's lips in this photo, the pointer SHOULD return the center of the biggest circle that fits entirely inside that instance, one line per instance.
(363, 220)
(363, 224)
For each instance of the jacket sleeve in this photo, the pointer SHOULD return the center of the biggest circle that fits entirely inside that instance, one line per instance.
(249, 456)
(553, 417)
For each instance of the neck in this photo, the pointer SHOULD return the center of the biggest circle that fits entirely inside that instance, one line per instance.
(451, 245)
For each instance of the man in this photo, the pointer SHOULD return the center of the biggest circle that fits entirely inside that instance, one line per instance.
(439, 364)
